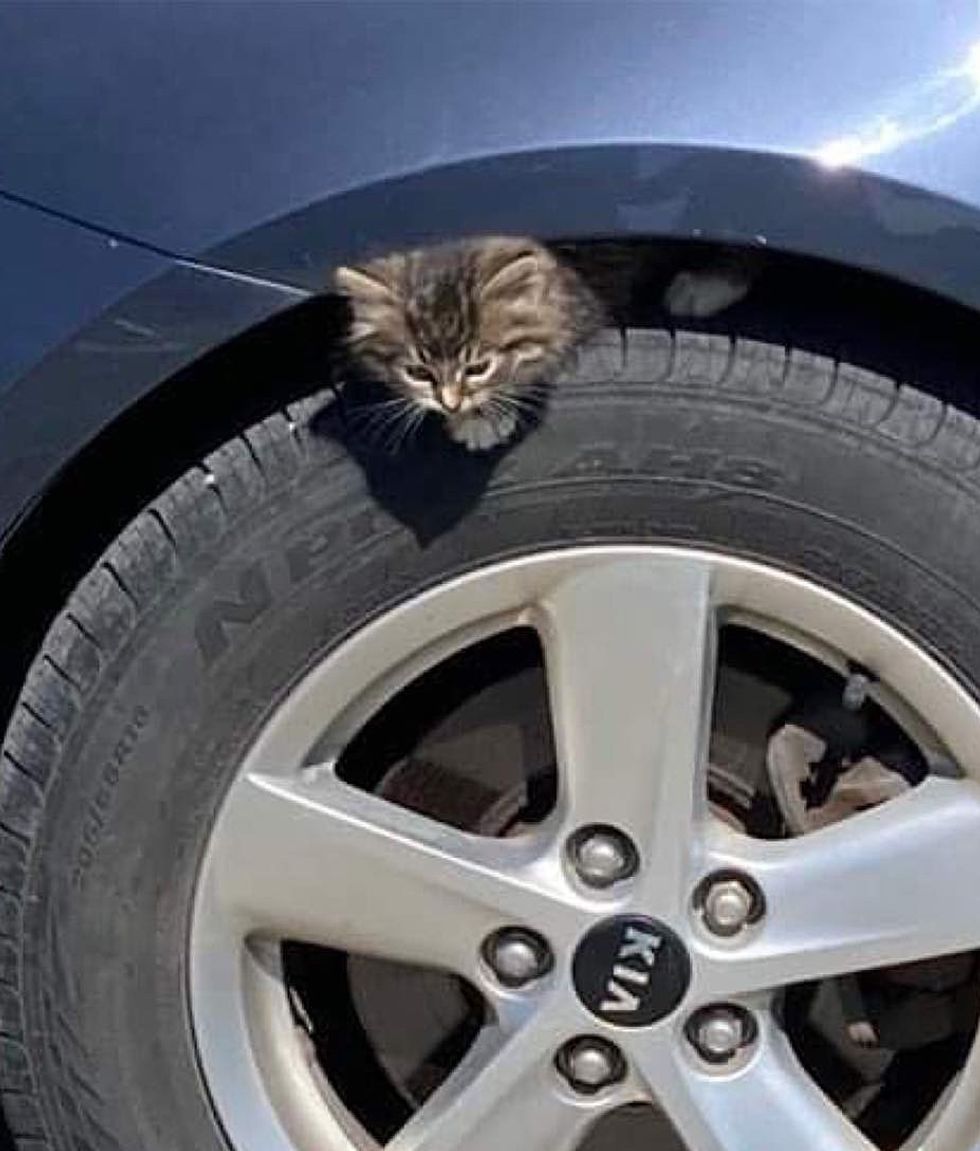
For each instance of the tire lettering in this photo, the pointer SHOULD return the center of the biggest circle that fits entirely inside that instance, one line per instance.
(255, 596)
(97, 811)
(303, 556)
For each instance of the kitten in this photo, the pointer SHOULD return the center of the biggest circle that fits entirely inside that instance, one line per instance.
(476, 329)
(472, 330)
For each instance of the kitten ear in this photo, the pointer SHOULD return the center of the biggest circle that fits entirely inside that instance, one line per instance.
(514, 267)
(367, 285)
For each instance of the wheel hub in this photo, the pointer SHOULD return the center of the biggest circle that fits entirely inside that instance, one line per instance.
(631, 971)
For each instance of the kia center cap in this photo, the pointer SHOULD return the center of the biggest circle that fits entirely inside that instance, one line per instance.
(631, 971)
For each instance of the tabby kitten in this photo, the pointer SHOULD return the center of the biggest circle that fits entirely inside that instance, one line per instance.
(472, 330)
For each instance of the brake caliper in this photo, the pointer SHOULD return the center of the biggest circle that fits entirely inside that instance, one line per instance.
(830, 756)
(836, 753)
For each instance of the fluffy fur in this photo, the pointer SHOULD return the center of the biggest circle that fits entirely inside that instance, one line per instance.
(473, 331)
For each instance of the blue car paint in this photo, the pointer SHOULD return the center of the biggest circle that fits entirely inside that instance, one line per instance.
(55, 277)
(83, 383)
(203, 162)
(185, 125)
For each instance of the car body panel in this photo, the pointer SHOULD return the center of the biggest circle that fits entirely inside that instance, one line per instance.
(184, 126)
(140, 319)
(199, 160)
(54, 278)
(780, 202)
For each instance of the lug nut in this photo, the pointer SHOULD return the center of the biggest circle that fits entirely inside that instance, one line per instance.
(590, 1064)
(602, 856)
(719, 1033)
(517, 956)
(729, 903)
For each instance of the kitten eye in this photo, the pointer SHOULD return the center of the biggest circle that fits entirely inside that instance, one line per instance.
(476, 369)
(418, 373)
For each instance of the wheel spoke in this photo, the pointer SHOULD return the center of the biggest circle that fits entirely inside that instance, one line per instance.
(891, 885)
(629, 649)
(506, 1093)
(770, 1102)
(328, 864)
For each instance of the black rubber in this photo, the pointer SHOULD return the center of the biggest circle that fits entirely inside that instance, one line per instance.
(170, 653)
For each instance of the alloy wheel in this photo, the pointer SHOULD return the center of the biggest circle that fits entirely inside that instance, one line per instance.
(631, 947)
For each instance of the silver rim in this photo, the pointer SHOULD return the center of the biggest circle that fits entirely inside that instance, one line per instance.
(629, 641)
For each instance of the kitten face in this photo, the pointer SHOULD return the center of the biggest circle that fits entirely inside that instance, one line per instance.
(470, 330)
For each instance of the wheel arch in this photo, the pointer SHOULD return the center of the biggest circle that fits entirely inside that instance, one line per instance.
(238, 334)
(790, 203)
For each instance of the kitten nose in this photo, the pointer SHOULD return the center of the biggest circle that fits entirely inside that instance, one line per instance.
(451, 397)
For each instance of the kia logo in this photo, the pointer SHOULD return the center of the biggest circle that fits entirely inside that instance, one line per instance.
(631, 971)
(634, 965)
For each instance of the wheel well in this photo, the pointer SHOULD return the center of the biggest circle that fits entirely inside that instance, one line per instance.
(822, 307)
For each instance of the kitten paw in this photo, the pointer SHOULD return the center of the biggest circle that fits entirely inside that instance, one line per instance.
(705, 293)
(479, 433)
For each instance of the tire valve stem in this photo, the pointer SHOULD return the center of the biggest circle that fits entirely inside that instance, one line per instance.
(859, 682)
(860, 1029)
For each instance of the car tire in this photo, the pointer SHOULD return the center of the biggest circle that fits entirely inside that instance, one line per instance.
(209, 606)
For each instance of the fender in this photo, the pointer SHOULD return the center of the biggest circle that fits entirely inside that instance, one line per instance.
(176, 309)
(788, 203)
